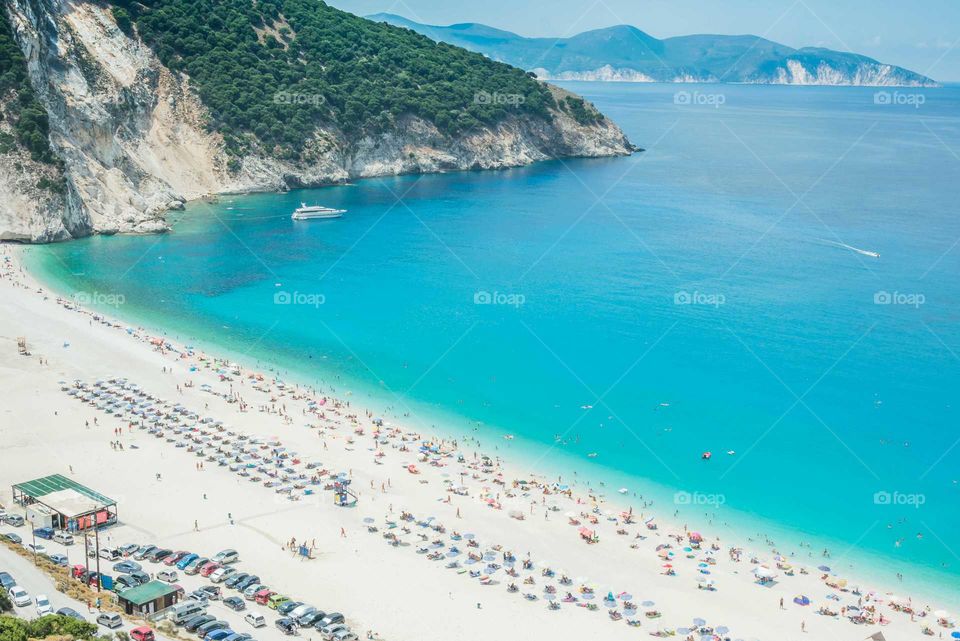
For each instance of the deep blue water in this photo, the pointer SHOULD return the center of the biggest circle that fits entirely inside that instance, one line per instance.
(833, 403)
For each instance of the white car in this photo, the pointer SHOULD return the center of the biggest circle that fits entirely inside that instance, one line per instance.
(330, 631)
(37, 549)
(19, 596)
(43, 605)
(256, 620)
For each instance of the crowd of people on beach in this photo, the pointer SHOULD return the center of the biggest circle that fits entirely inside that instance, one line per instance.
(681, 552)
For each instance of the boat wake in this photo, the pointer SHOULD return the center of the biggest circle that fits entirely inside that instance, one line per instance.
(864, 252)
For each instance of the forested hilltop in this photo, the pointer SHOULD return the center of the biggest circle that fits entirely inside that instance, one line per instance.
(274, 68)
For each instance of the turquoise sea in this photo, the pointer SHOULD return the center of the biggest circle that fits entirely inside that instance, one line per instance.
(700, 296)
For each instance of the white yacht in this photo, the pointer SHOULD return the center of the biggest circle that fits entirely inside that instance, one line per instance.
(314, 212)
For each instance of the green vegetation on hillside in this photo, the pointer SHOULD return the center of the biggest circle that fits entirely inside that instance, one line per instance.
(52, 625)
(270, 71)
(31, 126)
(577, 108)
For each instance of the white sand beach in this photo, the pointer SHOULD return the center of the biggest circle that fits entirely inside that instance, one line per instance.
(393, 591)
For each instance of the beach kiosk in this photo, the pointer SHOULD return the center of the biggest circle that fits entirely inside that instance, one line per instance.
(148, 598)
(61, 503)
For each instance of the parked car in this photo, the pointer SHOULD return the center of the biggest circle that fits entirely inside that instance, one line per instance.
(6, 581)
(44, 532)
(288, 607)
(252, 579)
(185, 561)
(235, 603)
(200, 596)
(255, 619)
(212, 592)
(225, 557)
(275, 600)
(63, 538)
(195, 565)
(344, 635)
(299, 611)
(70, 612)
(263, 596)
(37, 548)
(140, 577)
(210, 626)
(310, 619)
(128, 549)
(13, 536)
(332, 618)
(221, 574)
(142, 633)
(19, 596)
(175, 557)
(140, 554)
(186, 611)
(158, 555)
(110, 555)
(192, 624)
(239, 636)
(170, 576)
(251, 592)
(60, 559)
(43, 605)
(287, 626)
(219, 634)
(329, 631)
(124, 582)
(110, 620)
(126, 567)
(209, 568)
(235, 579)
(14, 520)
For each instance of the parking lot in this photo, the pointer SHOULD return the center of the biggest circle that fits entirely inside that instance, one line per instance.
(35, 581)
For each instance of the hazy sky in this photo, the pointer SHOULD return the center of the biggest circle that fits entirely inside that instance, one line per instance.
(922, 35)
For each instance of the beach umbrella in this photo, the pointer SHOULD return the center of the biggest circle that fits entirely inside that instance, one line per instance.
(941, 614)
(626, 596)
(697, 621)
(955, 635)
(683, 631)
(648, 604)
(469, 537)
(722, 629)
(824, 568)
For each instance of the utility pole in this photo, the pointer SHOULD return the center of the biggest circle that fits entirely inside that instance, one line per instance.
(86, 552)
(96, 532)
(33, 532)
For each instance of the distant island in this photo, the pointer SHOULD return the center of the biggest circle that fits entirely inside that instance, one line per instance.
(626, 54)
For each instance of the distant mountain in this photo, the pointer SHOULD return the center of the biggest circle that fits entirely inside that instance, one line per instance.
(627, 54)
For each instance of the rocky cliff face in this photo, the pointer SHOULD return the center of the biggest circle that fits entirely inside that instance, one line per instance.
(133, 139)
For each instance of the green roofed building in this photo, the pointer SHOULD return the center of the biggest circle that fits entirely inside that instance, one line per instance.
(148, 598)
(58, 502)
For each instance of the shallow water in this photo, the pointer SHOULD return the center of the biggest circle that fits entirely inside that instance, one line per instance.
(697, 296)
